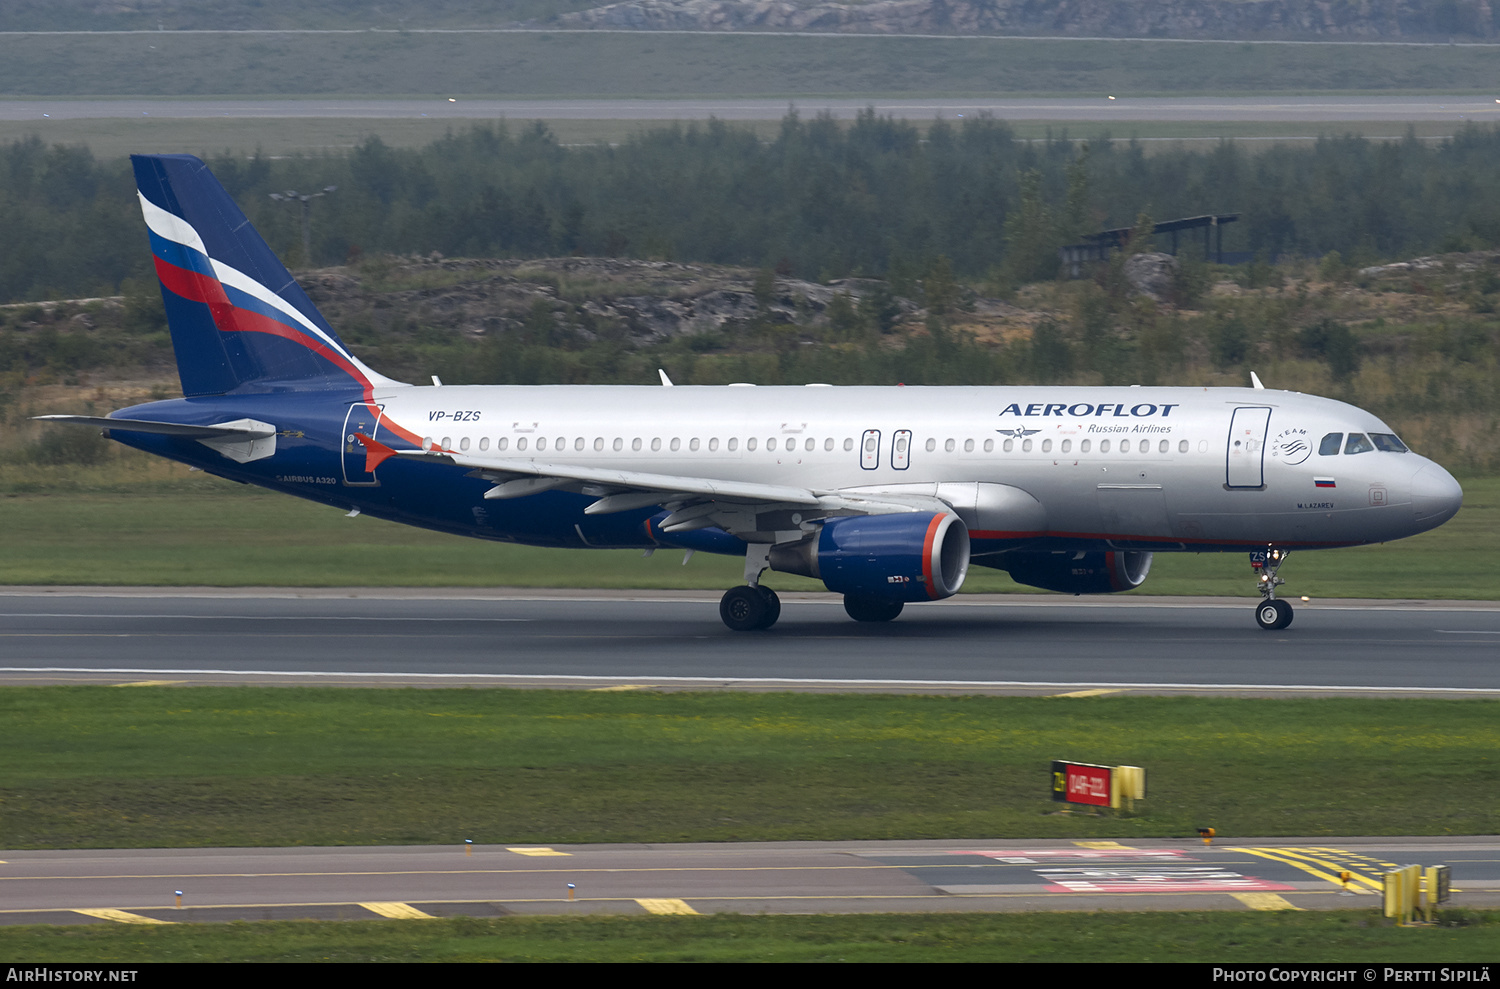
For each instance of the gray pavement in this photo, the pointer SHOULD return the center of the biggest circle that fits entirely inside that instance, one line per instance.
(982, 643)
(140, 886)
(1095, 109)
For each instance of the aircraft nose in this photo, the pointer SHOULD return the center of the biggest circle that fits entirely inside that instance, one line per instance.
(1435, 496)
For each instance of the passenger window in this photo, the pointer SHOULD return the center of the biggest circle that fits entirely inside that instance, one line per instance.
(931, 445)
(1388, 443)
(1104, 446)
(1067, 445)
(676, 444)
(810, 445)
(771, 443)
(989, 446)
(541, 442)
(1083, 447)
(1358, 444)
(948, 446)
(1124, 446)
(734, 443)
(1182, 447)
(1025, 446)
(484, 442)
(655, 444)
(1164, 446)
(750, 444)
(502, 443)
(693, 444)
(1010, 445)
(521, 443)
(1046, 446)
(1330, 445)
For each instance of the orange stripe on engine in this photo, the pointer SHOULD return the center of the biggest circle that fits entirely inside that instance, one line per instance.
(927, 575)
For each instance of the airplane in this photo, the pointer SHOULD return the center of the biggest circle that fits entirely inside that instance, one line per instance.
(885, 494)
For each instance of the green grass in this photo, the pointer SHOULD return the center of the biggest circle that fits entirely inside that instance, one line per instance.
(105, 767)
(114, 525)
(1356, 937)
(709, 64)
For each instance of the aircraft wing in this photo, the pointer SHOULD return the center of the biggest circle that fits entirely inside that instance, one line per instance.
(695, 502)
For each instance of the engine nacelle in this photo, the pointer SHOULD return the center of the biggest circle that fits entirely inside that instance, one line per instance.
(916, 556)
(1079, 573)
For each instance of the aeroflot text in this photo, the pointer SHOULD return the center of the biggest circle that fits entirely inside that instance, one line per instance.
(1081, 409)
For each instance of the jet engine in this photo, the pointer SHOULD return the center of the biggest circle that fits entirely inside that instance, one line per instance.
(916, 556)
(1079, 573)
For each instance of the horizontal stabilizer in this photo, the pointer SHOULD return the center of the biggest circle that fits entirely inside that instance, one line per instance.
(243, 428)
(242, 440)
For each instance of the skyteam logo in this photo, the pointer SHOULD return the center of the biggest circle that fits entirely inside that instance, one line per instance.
(1291, 446)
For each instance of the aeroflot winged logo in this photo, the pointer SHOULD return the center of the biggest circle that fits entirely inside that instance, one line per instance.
(1084, 410)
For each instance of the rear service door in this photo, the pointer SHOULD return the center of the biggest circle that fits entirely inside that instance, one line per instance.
(360, 420)
(1247, 448)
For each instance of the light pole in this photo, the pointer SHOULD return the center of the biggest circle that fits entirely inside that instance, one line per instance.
(291, 196)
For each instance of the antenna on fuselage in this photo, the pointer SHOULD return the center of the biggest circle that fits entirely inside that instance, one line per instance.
(1255, 382)
(666, 381)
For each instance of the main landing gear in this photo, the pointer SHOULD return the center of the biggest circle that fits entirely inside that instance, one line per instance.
(1272, 613)
(745, 609)
(751, 607)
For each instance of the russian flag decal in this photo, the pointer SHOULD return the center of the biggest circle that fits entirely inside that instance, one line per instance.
(1324, 482)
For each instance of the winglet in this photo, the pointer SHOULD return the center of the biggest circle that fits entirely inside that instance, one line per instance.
(1255, 382)
(376, 452)
(666, 381)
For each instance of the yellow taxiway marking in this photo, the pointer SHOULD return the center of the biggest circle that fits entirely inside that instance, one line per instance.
(666, 905)
(1308, 864)
(122, 916)
(617, 688)
(1264, 901)
(1092, 693)
(397, 911)
(151, 683)
(537, 851)
(1104, 845)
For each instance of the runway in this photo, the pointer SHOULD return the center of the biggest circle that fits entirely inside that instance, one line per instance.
(141, 886)
(1021, 644)
(1093, 109)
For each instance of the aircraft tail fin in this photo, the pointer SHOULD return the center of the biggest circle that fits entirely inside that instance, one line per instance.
(239, 322)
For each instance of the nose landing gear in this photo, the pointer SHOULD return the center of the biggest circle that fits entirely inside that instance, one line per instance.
(1272, 613)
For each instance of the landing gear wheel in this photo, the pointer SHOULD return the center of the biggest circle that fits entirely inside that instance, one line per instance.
(1273, 615)
(773, 606)
(863, 609)
(747, 608)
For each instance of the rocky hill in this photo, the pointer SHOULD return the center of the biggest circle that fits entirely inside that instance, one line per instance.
(1283, 20)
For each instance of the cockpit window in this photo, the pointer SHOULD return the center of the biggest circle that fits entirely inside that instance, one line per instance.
(1330, 445)
(1358, 444)
(1387, 443)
